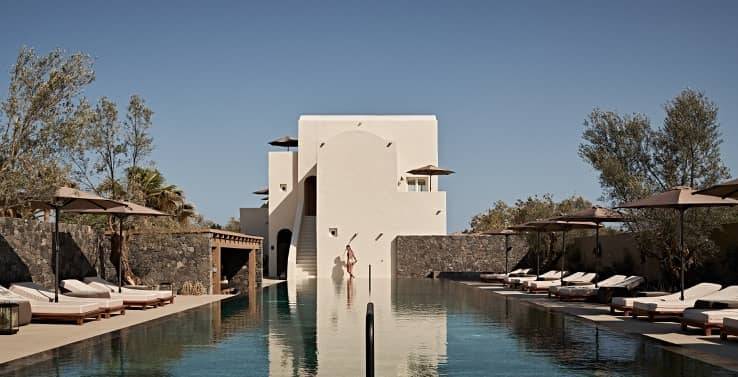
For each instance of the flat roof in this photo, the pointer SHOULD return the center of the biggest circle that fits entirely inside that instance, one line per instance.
(385, 117)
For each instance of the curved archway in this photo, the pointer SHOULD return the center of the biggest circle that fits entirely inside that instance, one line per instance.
(284, 238)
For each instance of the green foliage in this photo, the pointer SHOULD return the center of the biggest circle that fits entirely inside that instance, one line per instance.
(635, 160)
(533, 208)
(233, 225)
(40, 121)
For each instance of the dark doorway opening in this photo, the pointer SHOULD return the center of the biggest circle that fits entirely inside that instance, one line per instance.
(311, 195)
(284, 238)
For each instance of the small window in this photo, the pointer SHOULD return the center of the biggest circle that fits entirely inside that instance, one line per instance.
(415, 184)
(283, 186)
(333, 232)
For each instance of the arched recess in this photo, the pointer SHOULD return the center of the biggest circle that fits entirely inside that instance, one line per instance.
(284, 237)
(311, 195)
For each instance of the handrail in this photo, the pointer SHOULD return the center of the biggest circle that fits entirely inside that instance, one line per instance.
(370, 339)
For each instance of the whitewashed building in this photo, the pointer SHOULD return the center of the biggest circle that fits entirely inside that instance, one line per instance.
(347, 183)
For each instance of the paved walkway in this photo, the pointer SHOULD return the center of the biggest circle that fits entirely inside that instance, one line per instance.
(693, 343)
(39, 337)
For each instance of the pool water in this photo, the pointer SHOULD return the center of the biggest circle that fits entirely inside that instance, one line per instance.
(422, 327)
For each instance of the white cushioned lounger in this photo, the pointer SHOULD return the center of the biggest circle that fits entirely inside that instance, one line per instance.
(549, 275)
(107, 306)
(41, 308)
(575, 278)
(141, 300)
(519, 271)
(677, 306)
(706, 319)
(96, 282)
(625, 304)
(585, 291)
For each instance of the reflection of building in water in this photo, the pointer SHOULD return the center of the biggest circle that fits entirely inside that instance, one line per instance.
(405, 345)
(290, 313)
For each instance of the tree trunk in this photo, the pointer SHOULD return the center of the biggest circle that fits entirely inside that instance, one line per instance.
(127, 274)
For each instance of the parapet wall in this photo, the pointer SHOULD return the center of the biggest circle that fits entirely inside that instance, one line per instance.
(420, 256)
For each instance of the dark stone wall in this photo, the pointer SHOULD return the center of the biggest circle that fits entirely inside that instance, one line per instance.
(174, 258)
(419, 256)
(25, 251)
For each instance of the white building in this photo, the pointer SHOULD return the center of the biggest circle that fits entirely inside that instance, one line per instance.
(347, 184)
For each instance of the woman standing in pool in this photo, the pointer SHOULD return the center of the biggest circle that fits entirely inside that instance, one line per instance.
(350, 261)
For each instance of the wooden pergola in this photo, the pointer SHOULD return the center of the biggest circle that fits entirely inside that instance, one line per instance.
(222, 239)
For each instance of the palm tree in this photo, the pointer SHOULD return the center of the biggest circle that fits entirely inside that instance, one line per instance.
(150, 187)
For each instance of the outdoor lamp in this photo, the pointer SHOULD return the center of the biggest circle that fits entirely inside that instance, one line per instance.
(8, 318)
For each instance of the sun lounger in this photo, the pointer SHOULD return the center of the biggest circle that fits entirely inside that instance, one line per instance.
(577, 278)
(706, 319)
(39, 293)
(500, 277)
(80, 289)
(556, 276)
(587, 291)
(41, 308)
(518, 280)
(24, 306)
(163, 296)
(730, 327)
(625, 304)
(677, 306)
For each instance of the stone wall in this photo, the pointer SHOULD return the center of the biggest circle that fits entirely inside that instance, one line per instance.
(419, 256)
(25, 251)
(167, 257)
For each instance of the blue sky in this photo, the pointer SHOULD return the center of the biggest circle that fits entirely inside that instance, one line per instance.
(510, 82)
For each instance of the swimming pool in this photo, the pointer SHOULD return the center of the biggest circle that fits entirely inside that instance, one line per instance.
(423, 328)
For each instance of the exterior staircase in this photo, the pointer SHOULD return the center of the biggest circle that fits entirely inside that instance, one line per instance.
(307, 251)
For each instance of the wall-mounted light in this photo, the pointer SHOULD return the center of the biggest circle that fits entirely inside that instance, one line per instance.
(333, 232)
(379, 236)
(283, 186)
(389, 144)
(358, 124)
(322, 144)
(438, 212)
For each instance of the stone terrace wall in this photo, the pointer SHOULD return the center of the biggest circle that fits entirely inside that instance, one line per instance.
(25, 251)
(419, 256)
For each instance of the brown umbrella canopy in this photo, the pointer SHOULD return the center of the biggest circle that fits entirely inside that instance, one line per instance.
(262, 192)
(430, 170)
(680, 198)
(551, 225)
(723, 190)
(507, 233)
(595, 214)
(285, 141)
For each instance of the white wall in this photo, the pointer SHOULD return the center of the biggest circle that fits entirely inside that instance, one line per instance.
(282, 204)
(360, 194)
(255, 221)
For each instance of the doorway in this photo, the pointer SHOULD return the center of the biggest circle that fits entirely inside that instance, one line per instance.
(284, 239)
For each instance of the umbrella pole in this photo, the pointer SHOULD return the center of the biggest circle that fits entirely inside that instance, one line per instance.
(597, 254)
(56, 252)
(681, 236)
(120, 253)
(563, 255)
(507, 250)
(538, 255)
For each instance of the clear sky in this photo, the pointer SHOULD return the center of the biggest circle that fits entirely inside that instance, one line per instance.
(510, 82)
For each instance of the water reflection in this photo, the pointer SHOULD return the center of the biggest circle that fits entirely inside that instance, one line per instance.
(316, 327)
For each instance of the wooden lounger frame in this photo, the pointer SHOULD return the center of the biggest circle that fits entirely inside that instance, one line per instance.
(143, 304)
(651, 314)
(77, 317)
(626, 310)
(707, 327)
(108, 311)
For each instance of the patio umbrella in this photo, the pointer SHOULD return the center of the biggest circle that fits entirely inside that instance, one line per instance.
(264, 191)
(285, 141)
(597, 215)
(723, 190)
(507, 233)
(70, 200)
(430, 170)
(679, 198)
(551, 225)
(121, 213)
(520, 228)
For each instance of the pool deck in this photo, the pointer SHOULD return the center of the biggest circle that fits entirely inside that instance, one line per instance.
(40, 337)
(692, 343)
